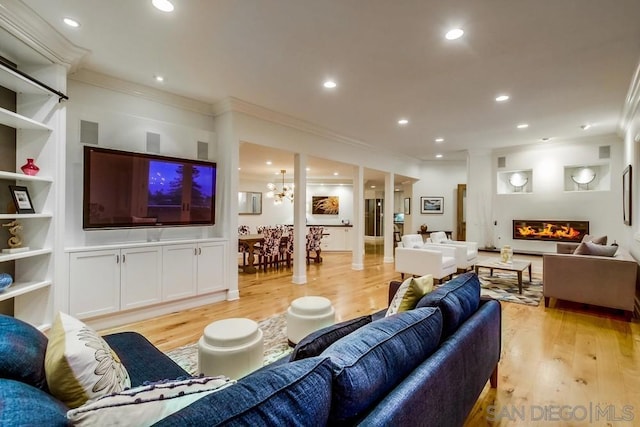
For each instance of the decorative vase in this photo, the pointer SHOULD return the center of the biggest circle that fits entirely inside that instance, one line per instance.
(423, 228)
(5, 281)
(30, 168)
(506, 253)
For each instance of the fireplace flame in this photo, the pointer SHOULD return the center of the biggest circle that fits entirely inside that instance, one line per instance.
(549, 231)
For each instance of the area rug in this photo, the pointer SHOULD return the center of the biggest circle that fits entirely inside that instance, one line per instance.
(504, 287)
(274, 330)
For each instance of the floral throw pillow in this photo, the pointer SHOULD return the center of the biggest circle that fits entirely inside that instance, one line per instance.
(79, 365)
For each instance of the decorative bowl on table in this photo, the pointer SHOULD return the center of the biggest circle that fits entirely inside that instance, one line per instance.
(5, 281)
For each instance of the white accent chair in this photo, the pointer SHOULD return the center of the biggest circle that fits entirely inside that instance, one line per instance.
(466, 252)
(419, 262)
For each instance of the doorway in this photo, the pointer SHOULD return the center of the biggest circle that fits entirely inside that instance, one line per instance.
(373, 210)
(462, 213)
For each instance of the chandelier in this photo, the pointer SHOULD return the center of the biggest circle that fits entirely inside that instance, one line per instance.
(279, 196)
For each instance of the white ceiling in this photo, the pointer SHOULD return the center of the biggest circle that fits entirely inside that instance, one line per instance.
(563, 62)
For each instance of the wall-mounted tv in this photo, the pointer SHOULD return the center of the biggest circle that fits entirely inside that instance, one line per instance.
(125, 189)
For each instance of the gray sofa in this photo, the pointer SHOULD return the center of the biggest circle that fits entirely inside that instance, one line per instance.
(590, 279)
(426, 366)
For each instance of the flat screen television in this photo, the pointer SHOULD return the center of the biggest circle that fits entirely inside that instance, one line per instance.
(125, 189)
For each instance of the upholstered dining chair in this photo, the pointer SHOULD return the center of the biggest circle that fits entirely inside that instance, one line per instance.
(243, 230)
(286, 247)
(270, 248)
(314, 236)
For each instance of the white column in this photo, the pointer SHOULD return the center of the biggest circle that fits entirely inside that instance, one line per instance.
(357, 262)
(387, 217)
(480, 190)
(300, 219)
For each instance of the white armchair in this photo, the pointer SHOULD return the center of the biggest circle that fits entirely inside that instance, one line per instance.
(466, 252)
(412, 241)
(418, 262)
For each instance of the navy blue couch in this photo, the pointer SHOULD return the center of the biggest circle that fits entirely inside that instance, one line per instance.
(426, 366)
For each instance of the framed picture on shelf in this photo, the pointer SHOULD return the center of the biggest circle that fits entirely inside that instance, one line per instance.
(432, 205)
(626, 195)
(21, 199)
(407, 206)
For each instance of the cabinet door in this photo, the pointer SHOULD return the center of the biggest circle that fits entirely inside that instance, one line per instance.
(178, 271)
(348, 239)
(94, 283)
(212, 267)
(140, 276)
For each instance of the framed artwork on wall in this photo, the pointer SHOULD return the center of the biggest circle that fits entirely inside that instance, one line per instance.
(325, 205)
(626, 195)
(432, 205)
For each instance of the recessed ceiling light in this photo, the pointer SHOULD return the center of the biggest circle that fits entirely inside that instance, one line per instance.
(403, 121)
(438, 156)
(239, 168)
(585, 126)
(71, 22)
(523, 126)
(502, 98)
(373, 186)
(439, 140)
(159, 79)
(308, 169)
(454, 34)
(329, 84)
(335, 174)
(163, 5)
(269, 162)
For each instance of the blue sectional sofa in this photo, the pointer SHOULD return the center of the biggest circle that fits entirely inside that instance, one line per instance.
(425, 366)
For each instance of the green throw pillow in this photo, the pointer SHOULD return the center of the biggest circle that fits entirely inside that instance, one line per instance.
(409, 293)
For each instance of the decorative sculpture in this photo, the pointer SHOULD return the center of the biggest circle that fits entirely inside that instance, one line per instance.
(15, 241)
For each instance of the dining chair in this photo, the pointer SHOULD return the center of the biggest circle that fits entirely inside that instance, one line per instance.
(270, 248)
(314, 236)
(243, 230)
(286, 246)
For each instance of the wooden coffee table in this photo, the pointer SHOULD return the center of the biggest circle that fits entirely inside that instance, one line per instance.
(517, 266)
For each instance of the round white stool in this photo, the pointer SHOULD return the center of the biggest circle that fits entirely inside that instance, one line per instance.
(306, 315)
(232, 347)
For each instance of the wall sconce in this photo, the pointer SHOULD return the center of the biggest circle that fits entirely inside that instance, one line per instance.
(583, 176)
(518, 180)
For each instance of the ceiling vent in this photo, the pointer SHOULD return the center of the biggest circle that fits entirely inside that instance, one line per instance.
(502, 162)
(604, 152)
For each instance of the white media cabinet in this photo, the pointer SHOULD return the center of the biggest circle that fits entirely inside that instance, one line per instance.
(133, 281)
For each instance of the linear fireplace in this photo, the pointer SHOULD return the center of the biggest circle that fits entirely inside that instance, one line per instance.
(556, 231)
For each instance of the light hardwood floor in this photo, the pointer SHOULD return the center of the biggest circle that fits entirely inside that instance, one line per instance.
(558, 364)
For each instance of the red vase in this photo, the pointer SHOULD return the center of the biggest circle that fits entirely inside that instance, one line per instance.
(30, 168)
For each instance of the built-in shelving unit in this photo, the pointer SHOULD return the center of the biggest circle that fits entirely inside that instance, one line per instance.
(38, 135)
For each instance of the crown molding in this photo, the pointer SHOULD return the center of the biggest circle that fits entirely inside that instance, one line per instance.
(140, 91)
(239, 106)
(28, 27)
(631, 102)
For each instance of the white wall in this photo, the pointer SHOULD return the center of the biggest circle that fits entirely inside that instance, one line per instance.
(283, 213)
(437, 179)
(123, 122)
(549, 200)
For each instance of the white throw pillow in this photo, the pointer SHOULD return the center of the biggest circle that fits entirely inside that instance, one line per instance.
(147, 404)
(79, 365)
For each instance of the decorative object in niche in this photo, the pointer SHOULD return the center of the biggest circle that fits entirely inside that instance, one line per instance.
(280, 195)
(583, 176)
(30, 168)
(325, 205)
(15, 241)
(431, 205)
(626, 196)
(5, 281)
(21, 199)
(518, 180)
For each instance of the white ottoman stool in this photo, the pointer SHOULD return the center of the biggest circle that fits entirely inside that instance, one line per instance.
(232, 347)
(306, 315)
